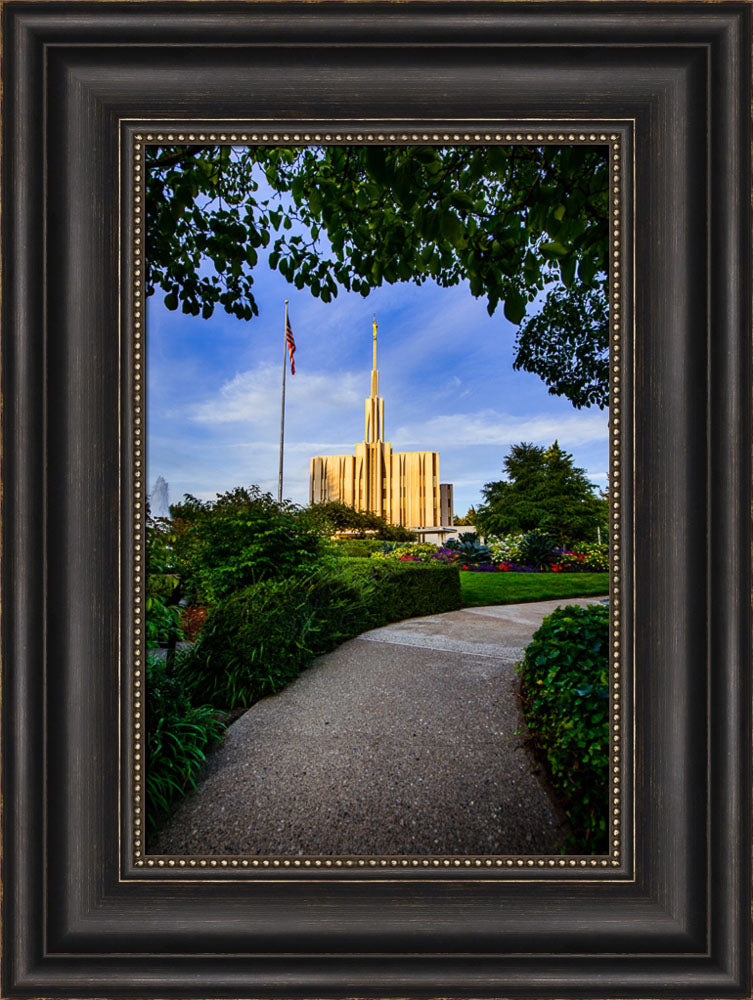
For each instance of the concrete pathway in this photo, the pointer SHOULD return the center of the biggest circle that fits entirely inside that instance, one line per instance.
(406, 740)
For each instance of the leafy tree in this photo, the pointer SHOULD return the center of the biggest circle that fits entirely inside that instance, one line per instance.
(567, 345)
(470, 517)
(514, 222)
(603, 515)
(333, 516)
(543, 491)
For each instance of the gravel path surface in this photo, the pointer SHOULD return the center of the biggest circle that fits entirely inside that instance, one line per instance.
(405, 740)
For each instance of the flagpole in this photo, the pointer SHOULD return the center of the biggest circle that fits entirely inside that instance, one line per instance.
(282, 403)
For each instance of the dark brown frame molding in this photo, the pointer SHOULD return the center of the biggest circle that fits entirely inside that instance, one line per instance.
(80, 81)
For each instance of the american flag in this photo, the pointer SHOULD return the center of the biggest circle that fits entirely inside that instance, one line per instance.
(291, 344)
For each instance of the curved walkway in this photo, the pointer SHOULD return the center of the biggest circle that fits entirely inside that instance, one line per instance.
(405, 740)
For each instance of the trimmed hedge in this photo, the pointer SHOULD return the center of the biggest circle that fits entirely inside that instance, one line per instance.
(405, 589)
(260, 638)
(564, 684)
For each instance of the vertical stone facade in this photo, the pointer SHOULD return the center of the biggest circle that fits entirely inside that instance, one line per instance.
(446, 504)
(402, 486)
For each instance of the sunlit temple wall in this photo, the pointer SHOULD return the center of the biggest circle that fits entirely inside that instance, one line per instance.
(402, 486)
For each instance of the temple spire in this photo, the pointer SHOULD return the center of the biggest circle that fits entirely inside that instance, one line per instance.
(374, 404)
(374, 372)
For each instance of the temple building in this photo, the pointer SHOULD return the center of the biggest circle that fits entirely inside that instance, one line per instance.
(401, 486)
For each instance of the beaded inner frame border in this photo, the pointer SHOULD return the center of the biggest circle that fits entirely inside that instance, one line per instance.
(497, 133)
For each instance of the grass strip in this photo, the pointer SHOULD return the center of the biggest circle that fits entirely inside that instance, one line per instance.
(479, 589)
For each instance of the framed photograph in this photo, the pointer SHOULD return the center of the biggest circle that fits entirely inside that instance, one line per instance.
(269, 551)
(131, 133)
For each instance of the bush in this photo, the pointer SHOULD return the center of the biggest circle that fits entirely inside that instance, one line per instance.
(192, 621)
(163, 616)
(409, 551)
(240, 538)
(178, 735)
(260, 638)
(339, 604)
(564, 685)
(333, 516)
(536, 550)
(163, 620)
(252, 644)
(399, 590)
(356, 547)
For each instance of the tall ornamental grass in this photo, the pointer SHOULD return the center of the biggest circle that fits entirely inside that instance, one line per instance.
(260, 638)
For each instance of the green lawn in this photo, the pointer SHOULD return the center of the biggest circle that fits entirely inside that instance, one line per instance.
(479, 589)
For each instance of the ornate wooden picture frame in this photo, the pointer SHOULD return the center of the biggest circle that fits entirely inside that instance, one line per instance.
(86, 912)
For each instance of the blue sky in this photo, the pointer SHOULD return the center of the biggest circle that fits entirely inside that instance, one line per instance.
(213, 390)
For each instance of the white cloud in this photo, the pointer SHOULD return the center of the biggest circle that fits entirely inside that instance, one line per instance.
(446, 378)
(253, 397)
(307, 447)
(488, 427)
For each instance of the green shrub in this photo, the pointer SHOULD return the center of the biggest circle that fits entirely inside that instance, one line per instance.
(399, 590)
(163, 616)
(338, 604)
(469, 549)
(260, 638)
(536, 549)
(333, 516)
(397, 533)
(356, 547)
(178, 735)
(163, 620)
(252, 644)
(564, 684)
(240, 538)
(415, 551)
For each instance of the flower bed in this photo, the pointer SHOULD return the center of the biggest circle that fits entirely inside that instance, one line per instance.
(586, 557)
(581, 558)
(445, 556)
(500, 567)
(575, 564)
(408, 552)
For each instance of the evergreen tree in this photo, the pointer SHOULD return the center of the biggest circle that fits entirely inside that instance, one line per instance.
(542, 491)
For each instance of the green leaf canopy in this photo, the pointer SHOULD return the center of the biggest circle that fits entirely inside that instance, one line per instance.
(513, 222)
